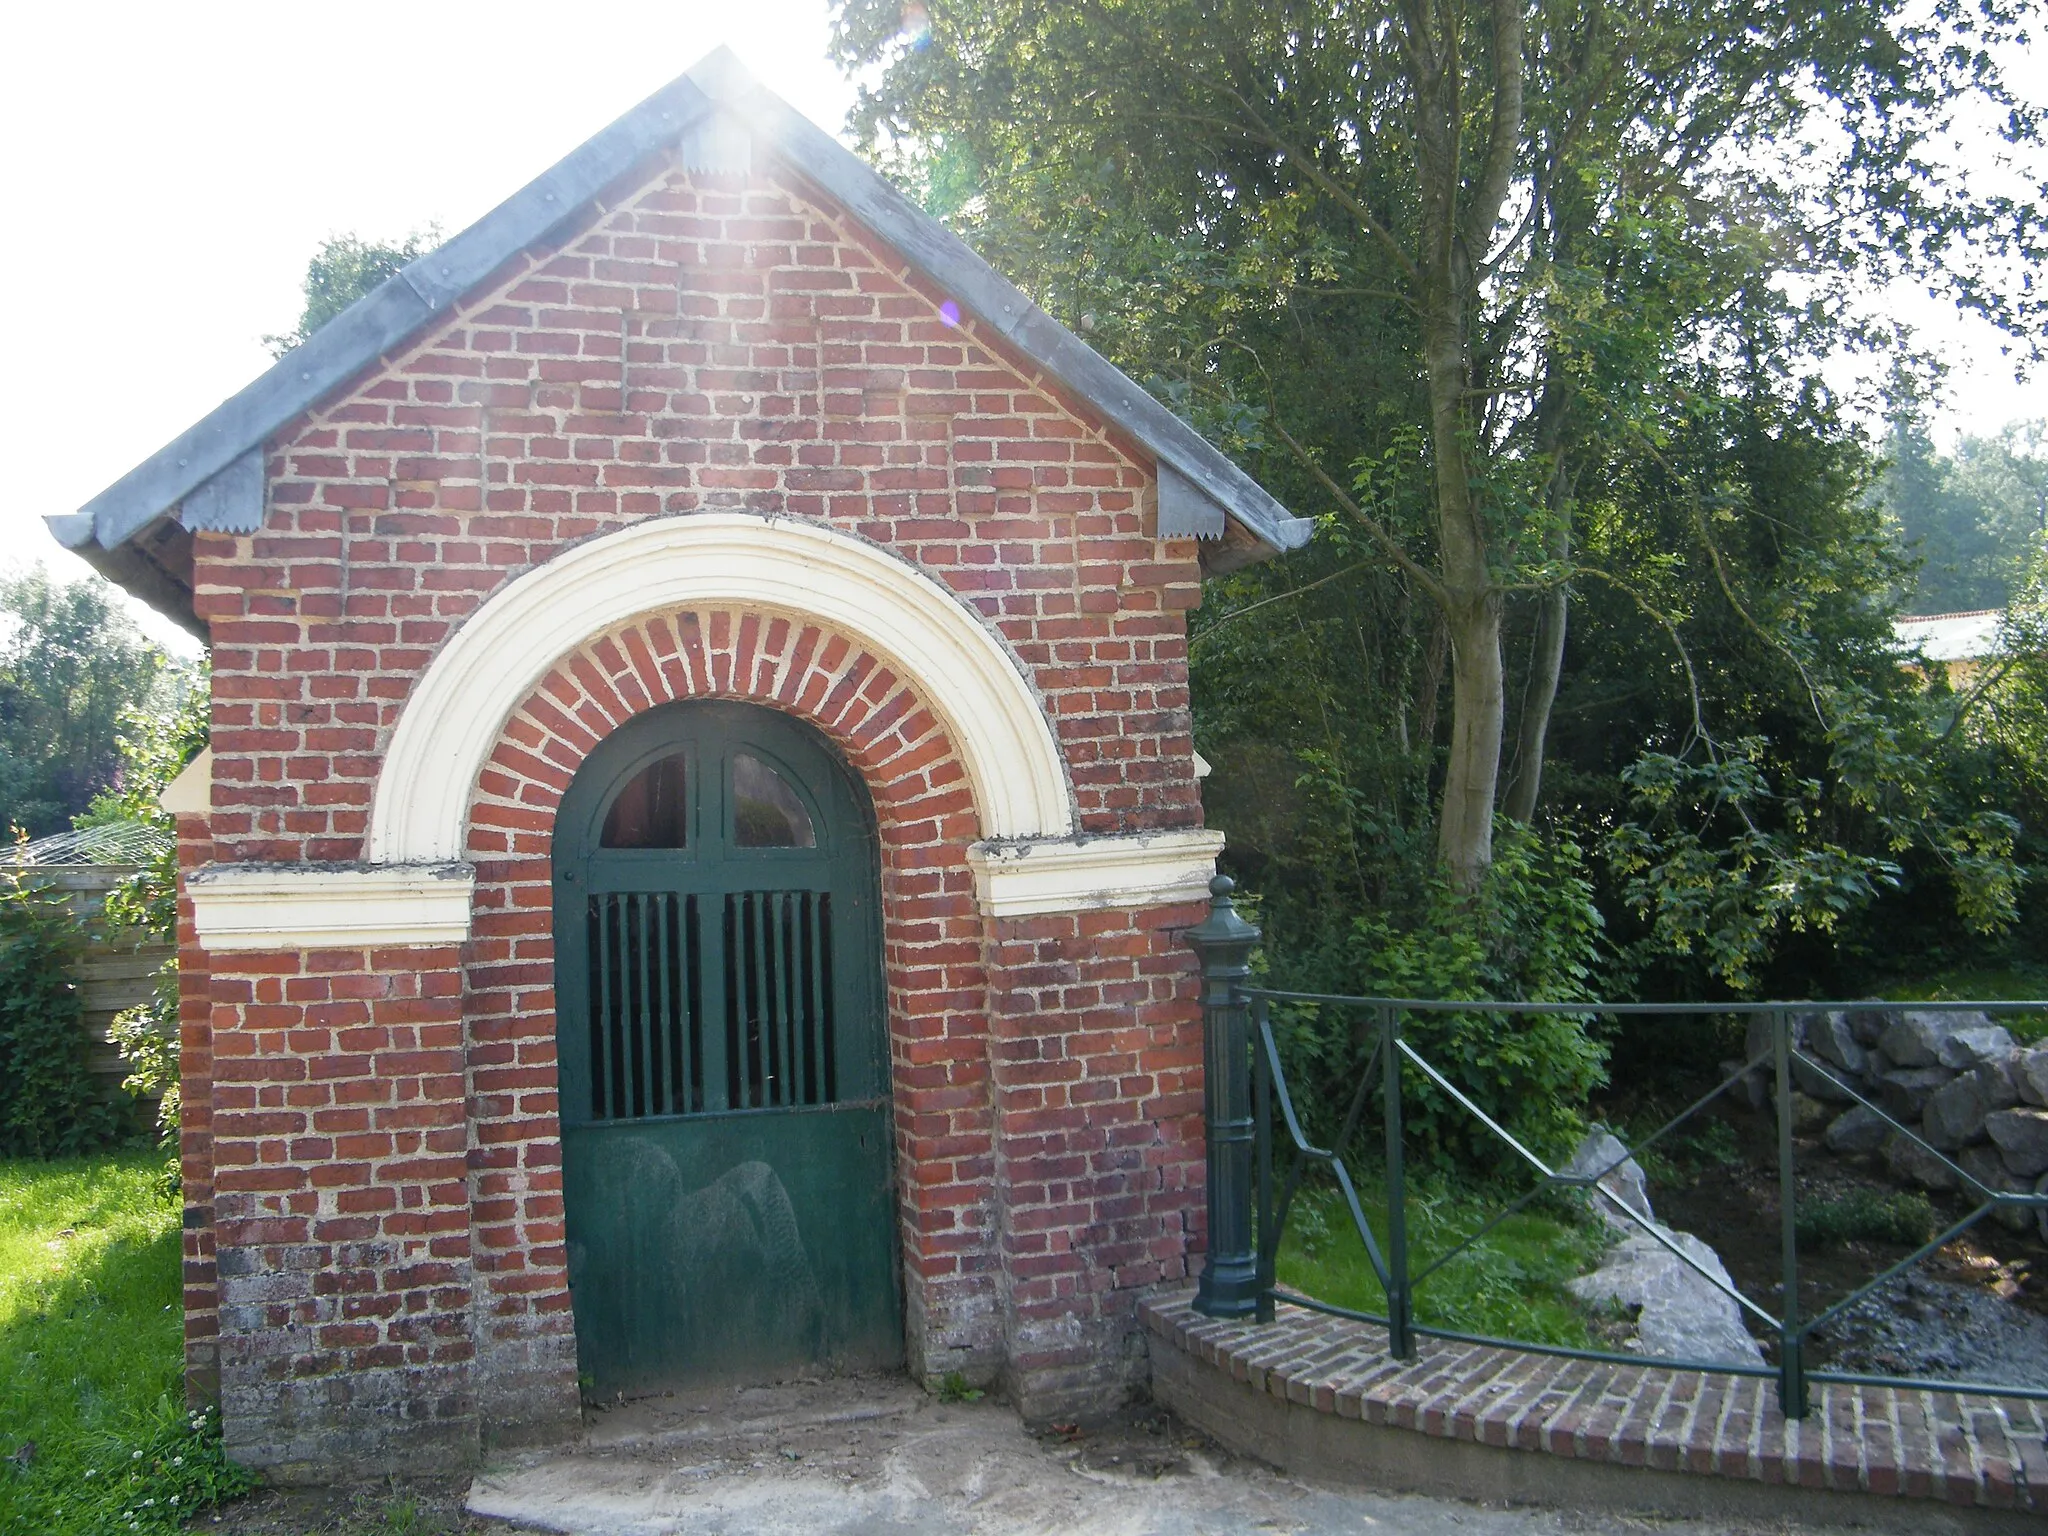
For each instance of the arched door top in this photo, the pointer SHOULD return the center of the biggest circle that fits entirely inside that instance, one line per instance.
(779, 565)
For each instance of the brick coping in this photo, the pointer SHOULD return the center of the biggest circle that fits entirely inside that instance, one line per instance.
(1961, 1450)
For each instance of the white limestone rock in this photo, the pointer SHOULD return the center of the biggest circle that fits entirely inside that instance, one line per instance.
(2030, 1073)
(1681, 1313)
(1916, 1038)
(1969, 1044)
(2022, 1136)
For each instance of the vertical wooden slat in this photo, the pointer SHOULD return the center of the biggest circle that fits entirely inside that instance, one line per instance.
(757, 1032)
(652, 929)
(668, 1038)
(764, 969)
(814, 1006)
(644, 1094)
(742, 991)
(601, 1097)
(643, 1078)
(790, 966)
(709, 973)
(693, 1006)
(714, 971)
(830, 1068)
(779, 996)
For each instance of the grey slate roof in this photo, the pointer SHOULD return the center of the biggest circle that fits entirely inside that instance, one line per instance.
(138, 530)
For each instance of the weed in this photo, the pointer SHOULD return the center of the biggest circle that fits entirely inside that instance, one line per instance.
(1866, 1215)
(953, 1388)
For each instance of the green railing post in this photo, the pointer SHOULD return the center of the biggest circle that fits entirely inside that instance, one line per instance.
(1262, 1115)
(1792, 1400)
(1400, 1334)
(1223, 943)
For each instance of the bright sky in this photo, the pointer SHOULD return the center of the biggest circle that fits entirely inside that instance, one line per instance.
(172, 167)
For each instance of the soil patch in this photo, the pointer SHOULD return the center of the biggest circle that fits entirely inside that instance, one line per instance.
(1975, 1310)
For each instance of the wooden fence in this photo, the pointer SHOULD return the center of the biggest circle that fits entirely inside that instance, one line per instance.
(115, 973)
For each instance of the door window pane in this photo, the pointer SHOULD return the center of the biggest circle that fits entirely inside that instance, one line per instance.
(651, 811)
(765, 811)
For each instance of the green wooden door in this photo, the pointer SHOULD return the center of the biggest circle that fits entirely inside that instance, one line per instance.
(726, 1142)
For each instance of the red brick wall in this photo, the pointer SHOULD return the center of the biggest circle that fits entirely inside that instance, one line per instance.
(387, 1185)
(695, 349)
(1097, 1076)
(341, 1207)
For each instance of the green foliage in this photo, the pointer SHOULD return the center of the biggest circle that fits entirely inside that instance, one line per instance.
(50, 1105)
(148, 1039)
(91, 1356)
(1776, 788)
(343, 270)
(1866, 1215)
(953, 1388)
(1508, 1285)
(1968, 519)
(72, 668)
(1193, 188)
(1271, 216)
(155, 747)
(1532, 934)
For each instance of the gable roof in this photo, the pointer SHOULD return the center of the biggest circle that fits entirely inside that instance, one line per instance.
(137, 531)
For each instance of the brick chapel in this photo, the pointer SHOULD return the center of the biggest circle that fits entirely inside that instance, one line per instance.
(687, 881)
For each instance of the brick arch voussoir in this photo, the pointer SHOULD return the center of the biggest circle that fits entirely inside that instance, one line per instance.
(877, 719)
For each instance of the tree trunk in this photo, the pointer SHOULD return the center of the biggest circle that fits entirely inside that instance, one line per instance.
(1546, 665)
(1435, 657)
(1478, 697)
(1455, 240)
(1546, 646)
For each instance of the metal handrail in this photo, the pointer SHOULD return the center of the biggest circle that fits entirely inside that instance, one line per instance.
(1391, 1261)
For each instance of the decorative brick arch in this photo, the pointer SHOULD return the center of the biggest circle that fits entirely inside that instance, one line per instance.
(967, 677)
(932, 933)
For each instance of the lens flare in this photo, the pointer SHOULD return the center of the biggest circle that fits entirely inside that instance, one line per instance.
(950, 312)
(916, 29)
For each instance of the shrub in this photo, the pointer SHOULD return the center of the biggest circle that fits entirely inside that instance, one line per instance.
(1532, 934)
(1866, 1215)
(147, 1037)
(154, 747)
(50, 1106)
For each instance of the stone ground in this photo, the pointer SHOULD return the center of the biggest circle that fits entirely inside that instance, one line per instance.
(878, 1457)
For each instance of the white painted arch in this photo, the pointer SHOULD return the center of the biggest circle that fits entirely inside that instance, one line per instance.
(419, 814)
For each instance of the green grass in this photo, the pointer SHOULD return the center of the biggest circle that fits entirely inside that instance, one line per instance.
(1509, 1285)
(91, 1354)
(2021, 983)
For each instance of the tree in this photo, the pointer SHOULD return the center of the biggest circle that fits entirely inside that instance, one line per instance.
(342, 270)
(1531, 213)
(72, 666)
(1970, 519)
